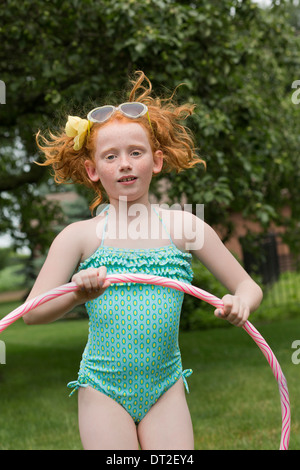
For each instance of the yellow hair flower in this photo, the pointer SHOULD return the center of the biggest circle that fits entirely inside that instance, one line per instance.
(77, 128)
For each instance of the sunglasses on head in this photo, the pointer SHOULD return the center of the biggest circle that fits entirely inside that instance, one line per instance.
(132, 110)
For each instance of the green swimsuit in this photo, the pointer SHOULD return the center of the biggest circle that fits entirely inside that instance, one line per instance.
(132, 354)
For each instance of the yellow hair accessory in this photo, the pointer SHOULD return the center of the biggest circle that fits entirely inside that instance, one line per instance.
(77, 128)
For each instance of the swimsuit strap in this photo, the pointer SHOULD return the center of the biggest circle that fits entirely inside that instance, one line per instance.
(164, 226)
(105, 222)
(106, 217)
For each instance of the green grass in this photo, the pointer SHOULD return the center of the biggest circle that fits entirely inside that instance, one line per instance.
(285, 291)
(234, 399)
(12, 278)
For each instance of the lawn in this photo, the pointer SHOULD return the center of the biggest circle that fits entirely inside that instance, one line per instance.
(234, 399)
(12, 278)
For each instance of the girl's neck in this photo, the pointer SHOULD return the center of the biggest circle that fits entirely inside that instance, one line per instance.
(134, 227)
(130, 208)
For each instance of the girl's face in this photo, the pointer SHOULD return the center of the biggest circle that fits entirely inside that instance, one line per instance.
(124, 162)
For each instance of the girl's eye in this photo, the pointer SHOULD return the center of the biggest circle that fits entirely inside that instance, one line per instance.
(136, 153)
(110, 157)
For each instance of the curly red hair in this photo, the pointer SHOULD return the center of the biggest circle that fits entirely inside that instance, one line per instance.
(166, 133)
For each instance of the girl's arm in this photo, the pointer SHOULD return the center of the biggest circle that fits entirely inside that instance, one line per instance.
(61, 262)
(245, 295)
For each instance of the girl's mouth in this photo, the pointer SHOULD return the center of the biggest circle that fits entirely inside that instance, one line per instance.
(127, 179)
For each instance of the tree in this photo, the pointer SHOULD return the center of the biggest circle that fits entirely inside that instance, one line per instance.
(237, 61)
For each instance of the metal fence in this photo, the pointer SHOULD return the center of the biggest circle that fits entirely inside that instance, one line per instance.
(276, 267)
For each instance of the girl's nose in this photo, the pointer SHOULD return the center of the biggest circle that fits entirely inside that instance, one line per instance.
(124, 162)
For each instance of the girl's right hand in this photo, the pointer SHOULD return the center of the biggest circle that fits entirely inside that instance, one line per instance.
(92, 283)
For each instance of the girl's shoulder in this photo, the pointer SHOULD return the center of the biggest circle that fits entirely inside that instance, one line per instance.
(82, 228)
(82, 235)
(78, 229)
(185, 228)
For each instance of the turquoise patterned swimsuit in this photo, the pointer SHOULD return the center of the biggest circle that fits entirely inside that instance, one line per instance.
(132, 354)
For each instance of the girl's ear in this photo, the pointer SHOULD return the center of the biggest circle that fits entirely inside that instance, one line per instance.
(158, 160)
(91, 170)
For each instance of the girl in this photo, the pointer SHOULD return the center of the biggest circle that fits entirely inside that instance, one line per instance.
(131, 385)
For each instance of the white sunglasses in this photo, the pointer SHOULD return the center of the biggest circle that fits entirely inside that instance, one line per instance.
(132, 110)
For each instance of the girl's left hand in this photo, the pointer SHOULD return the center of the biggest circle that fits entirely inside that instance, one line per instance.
(235, 310)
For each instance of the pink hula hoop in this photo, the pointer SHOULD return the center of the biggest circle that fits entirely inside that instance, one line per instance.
(188, 289)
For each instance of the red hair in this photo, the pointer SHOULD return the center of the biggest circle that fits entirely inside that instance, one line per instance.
(166, 133)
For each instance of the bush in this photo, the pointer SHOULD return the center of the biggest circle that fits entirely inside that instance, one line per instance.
(197, 313)
(281, 300)
(4, 257)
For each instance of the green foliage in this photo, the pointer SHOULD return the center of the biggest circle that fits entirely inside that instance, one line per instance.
(237, 61)
(4, 255)
(197, 314)
(12, 278)
(280, 302)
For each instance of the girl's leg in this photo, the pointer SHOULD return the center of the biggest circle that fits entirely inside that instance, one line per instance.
(168, 424)
(103, 423)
